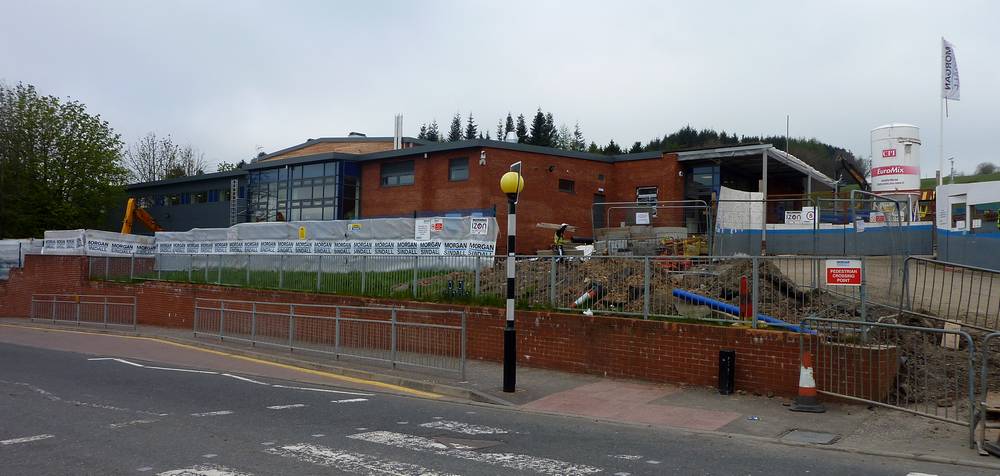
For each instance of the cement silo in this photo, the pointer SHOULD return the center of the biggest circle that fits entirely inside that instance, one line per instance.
(895, 158)
(895, 167)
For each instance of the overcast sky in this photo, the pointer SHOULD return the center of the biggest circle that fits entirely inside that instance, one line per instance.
(229, 77)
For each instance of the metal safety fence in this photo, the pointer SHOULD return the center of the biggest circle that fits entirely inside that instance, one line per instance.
(417, 338)
(988, 398)
(80, 309)
(772, 290)
(921, 370)
(956, 293)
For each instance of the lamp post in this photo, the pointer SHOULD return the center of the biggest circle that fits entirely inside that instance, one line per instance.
(511, 184)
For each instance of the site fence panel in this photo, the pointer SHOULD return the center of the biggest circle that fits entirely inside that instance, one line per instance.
(988, 396)
(81, 309)
(782, 289)
(416, 338)
(956, 293)
(925, 371)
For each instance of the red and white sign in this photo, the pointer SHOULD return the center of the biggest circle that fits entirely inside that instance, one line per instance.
(886, 153)
(895, 170)
(843, 272)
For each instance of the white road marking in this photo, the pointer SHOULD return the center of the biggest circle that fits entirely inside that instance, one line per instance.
(26, 439)
(361, 429)
(459, 427)
(130, 423)
(318, 435)
(310, 389)
(209, 372)
(144, 469)
(348, 461)
(350, 400)
(237, 377)
(123, 361)
(55, 398)
(438, 418)
(285, 407)
(204, 470)
(653, 461)
(217, 413)
(622, 473)
(508, 460)
(209, 456)
(627, 457)
(920, 474)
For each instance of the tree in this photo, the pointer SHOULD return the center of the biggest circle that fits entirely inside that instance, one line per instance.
(508, 127)
(521, 130)
(564, 140)
(190, 161)
(636, 148)
(470, 128)
(423, 132)
(578, 143)
(60, 166)
(985, 168)
(593, 149)
(612, 148)
(455, 133)
(499, 129)
(433, 134)
(541, 132)
(229, 166)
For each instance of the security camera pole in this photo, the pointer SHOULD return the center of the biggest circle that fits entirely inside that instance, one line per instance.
(511, 184)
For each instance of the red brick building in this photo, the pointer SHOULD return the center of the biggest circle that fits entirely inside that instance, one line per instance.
(362, 177)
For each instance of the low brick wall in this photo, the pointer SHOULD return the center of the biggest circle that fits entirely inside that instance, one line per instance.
(667, 352)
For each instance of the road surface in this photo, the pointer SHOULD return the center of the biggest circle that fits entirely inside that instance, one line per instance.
(86, 413)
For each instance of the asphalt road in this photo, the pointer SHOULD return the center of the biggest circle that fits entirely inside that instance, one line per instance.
(66, 413)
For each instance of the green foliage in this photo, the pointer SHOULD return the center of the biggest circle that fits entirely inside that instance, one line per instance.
(423, 132)
(470, 128)
(230, 166)
(433, 134)
(521, 130)
(60, 167)
(455, 133)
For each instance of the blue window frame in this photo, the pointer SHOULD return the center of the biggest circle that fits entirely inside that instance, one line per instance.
(213, 195)
(185, 198)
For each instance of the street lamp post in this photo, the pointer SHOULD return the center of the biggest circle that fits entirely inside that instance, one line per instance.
(511, 184)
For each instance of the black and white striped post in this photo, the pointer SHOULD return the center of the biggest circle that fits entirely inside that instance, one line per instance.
(511, 184)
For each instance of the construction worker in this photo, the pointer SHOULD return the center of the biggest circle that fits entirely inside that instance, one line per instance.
(559, 239)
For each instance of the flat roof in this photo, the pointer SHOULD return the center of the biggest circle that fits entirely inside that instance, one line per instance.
(323, 140)
(723, 153)
(190, 178)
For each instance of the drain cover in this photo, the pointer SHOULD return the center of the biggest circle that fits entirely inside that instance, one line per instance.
(814, 437)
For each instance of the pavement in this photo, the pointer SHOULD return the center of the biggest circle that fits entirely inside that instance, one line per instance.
(751, 419)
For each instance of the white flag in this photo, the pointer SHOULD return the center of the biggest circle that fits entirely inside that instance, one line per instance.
(949, 71)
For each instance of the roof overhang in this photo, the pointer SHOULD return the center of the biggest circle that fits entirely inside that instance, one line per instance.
(789, 160)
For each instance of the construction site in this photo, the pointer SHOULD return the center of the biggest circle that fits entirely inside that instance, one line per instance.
(845, 275)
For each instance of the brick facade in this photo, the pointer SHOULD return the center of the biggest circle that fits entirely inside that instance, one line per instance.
(665, 352)
(541, 201)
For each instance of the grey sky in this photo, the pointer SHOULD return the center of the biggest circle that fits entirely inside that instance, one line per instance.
(227, 77)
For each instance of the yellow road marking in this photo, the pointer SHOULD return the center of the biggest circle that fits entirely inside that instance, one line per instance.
(320, 373)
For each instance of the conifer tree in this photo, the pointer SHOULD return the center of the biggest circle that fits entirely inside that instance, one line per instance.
(433, 134)
(455, 133)
(470, 128)
(521, 130)
(423, 132)
(578, 143)
(508, 127)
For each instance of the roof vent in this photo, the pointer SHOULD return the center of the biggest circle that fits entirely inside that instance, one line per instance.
(355, 134)
(510, 137)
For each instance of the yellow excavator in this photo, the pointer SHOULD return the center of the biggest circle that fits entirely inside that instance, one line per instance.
(133, 212)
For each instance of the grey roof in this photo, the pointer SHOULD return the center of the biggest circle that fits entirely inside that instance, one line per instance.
(494, 144)
(193, 178)
(323, 140)
(302, 159)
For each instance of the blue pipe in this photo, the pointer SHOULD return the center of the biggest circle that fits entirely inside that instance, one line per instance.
(731, 309)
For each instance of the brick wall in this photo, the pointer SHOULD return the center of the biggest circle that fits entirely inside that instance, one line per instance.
(541, 201)
(615, 347)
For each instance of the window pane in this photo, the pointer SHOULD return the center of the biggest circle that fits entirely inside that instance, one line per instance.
(312, 213)
(458, 169)
(397, 173)
(312, 170)
(329, 213)
(566, 185)
(299, 193)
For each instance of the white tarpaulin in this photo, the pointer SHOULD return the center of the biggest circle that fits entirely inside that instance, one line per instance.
(96, 243)
(739, 210)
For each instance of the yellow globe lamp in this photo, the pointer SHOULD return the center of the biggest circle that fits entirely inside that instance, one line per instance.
(512, 183)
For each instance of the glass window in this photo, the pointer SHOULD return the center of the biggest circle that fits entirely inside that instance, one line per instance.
(200, 197)
(312, 170)
(329, 190)
(213, 195)
(185, 198)
(160, 200)
(397, 173)
(283, 174)
(331, 168)
(329, 213)
(645, 194)
(312, 213)
(174, 200)
(458, 169)
(299, 193)
(567, 186)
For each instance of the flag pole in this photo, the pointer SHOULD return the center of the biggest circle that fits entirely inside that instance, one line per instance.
(941, 123)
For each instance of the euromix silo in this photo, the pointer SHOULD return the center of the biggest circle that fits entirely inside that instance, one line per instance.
(895, 167)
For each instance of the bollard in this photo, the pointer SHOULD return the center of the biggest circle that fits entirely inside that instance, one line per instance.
(727, 371)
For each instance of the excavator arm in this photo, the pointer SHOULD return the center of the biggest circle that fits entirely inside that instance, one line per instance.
(132, 212)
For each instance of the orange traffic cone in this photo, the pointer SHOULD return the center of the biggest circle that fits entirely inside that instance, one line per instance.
(806, 401)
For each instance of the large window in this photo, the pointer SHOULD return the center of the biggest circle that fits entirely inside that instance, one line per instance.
(458, 169)
(397, 173)
(304, 192)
